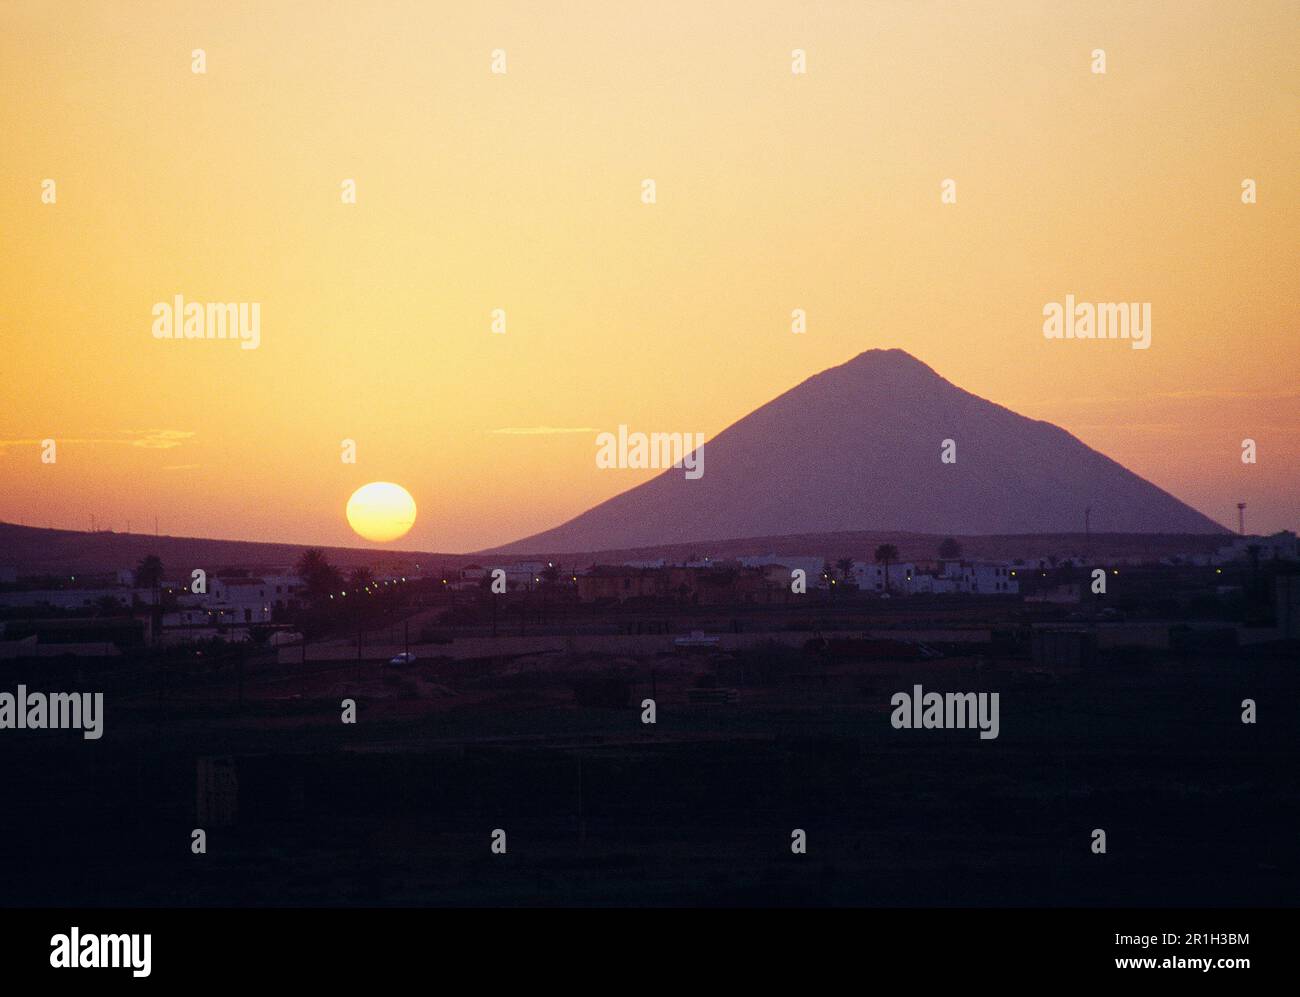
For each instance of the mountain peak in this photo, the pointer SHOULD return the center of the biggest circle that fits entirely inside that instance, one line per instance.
(891, 359)
(857, 448)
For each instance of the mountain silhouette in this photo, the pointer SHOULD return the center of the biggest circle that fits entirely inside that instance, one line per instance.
(857, 447)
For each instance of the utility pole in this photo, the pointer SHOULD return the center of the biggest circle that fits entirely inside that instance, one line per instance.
(1087, 529)
(1241, 518)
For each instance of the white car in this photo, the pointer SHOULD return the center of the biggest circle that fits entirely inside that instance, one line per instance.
(697, 638)
(402, 659)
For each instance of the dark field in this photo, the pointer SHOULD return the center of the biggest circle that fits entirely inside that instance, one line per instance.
(1199, 808)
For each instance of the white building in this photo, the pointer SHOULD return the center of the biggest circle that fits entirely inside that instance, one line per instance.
(969, 577)
(1281, 546)
(525, 575)
(239, 600)
(982, 577)
(75, 598)
(283, 589)
(187, 616)
(903, 578)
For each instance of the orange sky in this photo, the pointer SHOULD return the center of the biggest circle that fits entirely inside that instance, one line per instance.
(522, 191)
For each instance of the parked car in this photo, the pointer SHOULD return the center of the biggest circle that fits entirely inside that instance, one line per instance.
(697, 638)
(405, 658)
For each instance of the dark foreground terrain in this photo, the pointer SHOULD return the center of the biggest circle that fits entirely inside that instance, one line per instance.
(599, 808)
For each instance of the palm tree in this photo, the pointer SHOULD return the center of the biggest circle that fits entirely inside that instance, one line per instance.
(310, 565)
(148, 575)
(886, 554)
(361, 578)
(318, 576)
(845, 564)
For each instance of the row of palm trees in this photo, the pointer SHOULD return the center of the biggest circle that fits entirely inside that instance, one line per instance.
(322, 579)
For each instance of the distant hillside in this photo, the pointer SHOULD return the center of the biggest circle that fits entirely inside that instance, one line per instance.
(857, 447)
(911, 547)
(33, 550)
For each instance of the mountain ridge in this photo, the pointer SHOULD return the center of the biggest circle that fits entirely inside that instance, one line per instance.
(883, 415)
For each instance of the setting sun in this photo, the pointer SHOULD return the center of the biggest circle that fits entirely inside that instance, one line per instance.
(381, 511)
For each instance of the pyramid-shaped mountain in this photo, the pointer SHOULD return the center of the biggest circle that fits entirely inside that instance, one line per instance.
(857, 447)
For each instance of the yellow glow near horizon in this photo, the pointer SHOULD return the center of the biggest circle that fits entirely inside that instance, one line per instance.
(522, 192)
(381, 511)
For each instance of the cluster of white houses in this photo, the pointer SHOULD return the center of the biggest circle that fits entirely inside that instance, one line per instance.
(767, 578)
(778, 578)
(232, 602)
(967, 577)
(1282, 546)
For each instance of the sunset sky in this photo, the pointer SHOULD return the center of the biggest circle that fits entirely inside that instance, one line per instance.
(522, 191)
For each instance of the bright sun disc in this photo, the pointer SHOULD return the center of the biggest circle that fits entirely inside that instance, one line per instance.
(381, 511)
